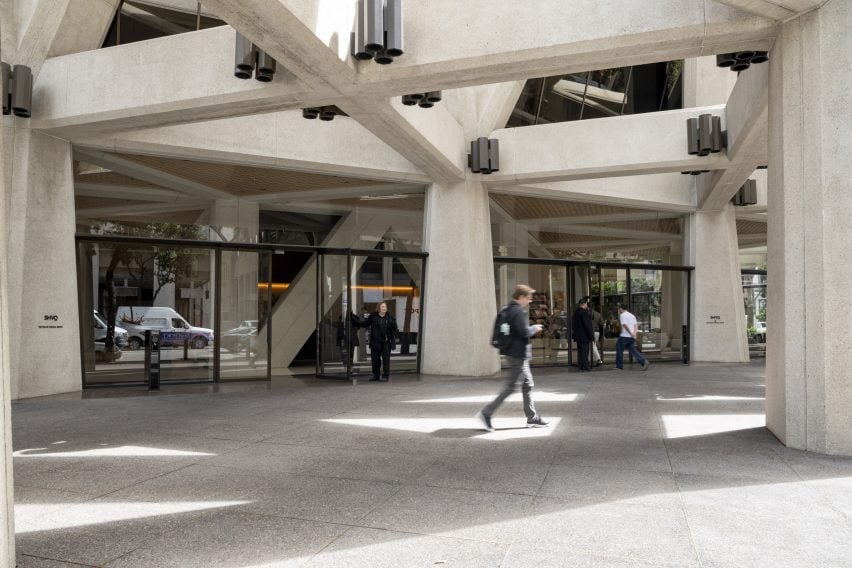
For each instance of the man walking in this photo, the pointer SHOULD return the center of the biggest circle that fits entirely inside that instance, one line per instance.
(584, 335)
(597, 325)
(518, 352)
(627, 339)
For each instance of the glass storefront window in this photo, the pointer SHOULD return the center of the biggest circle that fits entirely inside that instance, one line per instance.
(138, 20)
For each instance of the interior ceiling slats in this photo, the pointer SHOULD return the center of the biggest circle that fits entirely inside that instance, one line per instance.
(522, 207)
(655, 225)
(244, 181)
(745, 227)
(643, 253)
(178, 217)
(545, 238)
(87, 202)
(112, 178)
(413, 202)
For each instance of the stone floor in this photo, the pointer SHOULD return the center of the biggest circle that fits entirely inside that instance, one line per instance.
(671, 467)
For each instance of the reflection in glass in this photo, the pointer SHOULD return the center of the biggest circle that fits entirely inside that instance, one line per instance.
(600, 93)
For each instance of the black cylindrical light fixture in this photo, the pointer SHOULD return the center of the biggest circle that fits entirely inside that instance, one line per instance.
(705, 131)
(473, 157)
(745, 55)
(22, 90)
(750, 192)
(374, 39)
(265, 67)
(327, 113)
(5, 86)
(382, 56)
(393, 28)
(741, 65)
(725, 59)
(760, 57)
(245, 57)
(359, 36)
(409, 100)
(417, 96)
(692, 136)
(424, 103)
(482, 152)
(494, 155)
(310, 113)
(433, 96)
(716, 141)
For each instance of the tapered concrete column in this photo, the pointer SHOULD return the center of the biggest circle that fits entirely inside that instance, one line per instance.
(718, 330)
(7, 528)
(808, 375)
(460, 302)
(41, 263)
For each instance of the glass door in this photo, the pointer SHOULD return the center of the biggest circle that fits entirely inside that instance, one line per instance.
(337, 339)
(549, 307)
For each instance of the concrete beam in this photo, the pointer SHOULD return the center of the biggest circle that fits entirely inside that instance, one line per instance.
(605, 147)
(596, 230)
(150, 85)
(610, 218)
(49, 28)
(168, 80)
(113, 191)
(326, 194)
(495, 103)
(281, 140)
(746, 120)
(133, 210)
(774, 9)
(659, 192)
(497, 42)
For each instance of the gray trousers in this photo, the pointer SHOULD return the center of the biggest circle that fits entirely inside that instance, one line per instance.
(518, 372)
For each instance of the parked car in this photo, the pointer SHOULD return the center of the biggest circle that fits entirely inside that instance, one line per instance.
(240, 338)
(139, 319)
(760, 331)
(100, 332)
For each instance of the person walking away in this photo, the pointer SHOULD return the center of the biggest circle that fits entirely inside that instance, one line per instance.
(518, 352)
(597, 325)
(627, 339)
(584, 334)
(381, 336)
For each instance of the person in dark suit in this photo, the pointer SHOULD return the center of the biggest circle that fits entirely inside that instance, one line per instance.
(584, 334)
(381, 337)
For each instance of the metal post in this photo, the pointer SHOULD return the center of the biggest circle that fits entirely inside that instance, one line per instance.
(268, 317)
(217, 316)
(198, 17)
(152, 351)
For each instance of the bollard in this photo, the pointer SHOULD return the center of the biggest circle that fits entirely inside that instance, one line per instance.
(684, 344)
(186, 349)
(152, 352)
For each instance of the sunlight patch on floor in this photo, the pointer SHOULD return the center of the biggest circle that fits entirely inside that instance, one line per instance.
(506, 428)
(542, 396)
(55, 516)
(685, 425)
(118, 451)
(707, 398)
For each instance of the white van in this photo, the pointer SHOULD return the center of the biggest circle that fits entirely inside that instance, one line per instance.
(174, 329)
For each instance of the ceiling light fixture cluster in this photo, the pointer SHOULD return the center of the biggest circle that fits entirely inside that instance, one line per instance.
(326, 113)
(423, 100)
(746, 195)
(250, 58)
(741, 60)
(484, 155)
(378, 31)
(16, 88)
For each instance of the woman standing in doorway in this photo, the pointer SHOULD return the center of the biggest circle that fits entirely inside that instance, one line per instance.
(381, 336)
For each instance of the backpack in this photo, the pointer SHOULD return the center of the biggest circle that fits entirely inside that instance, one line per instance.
(501, 337)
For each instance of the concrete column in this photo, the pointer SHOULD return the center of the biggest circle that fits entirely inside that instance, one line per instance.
(718, 330)
(705, 84)
(41, 265)
(460, 302)
(808, 376)
(7, 525)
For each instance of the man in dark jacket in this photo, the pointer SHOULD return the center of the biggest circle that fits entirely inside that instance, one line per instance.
(518, 353)
(584, 334)
(381, 337)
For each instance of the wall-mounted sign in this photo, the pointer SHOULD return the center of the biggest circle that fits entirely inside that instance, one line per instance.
(52, 322)
(715, 320)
